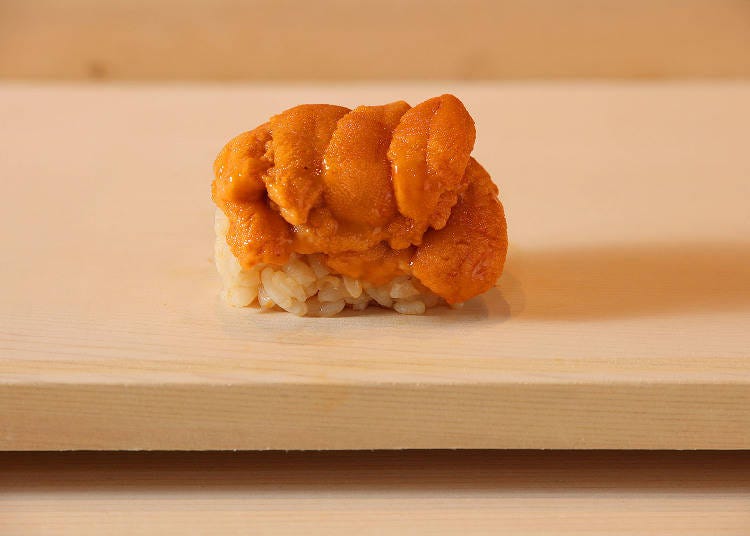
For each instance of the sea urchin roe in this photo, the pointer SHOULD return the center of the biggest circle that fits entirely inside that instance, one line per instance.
(377, 265)
(240, 166)
(465, 258)
(429, 152)
(372, 190)
(358, 187)
(300, 137)
(257, 234)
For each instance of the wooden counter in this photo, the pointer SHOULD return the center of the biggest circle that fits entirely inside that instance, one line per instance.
(622, 321)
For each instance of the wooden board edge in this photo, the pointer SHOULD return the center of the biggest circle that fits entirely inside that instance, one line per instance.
(386, 416)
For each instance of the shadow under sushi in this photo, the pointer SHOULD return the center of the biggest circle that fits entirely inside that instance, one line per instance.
(601, 282)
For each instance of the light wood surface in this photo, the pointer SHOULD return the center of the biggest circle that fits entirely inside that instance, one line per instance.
(622, 321)
(373, 39)
(489, 492)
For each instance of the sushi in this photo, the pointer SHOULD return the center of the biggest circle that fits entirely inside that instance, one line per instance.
(323, 208)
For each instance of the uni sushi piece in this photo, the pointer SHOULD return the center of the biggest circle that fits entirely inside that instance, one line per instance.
(324, 207)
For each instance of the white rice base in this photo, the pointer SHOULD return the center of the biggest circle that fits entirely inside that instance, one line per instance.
(305, 286)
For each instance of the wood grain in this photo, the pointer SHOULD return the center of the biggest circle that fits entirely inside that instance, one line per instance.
(373, 39)
(437, 492)
(622, 321)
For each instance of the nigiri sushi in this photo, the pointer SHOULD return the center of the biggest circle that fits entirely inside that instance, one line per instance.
(323, 208)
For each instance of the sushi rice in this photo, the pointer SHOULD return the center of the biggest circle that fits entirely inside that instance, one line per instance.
(305, 285)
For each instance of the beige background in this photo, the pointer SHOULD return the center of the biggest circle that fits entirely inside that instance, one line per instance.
(373, 39)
